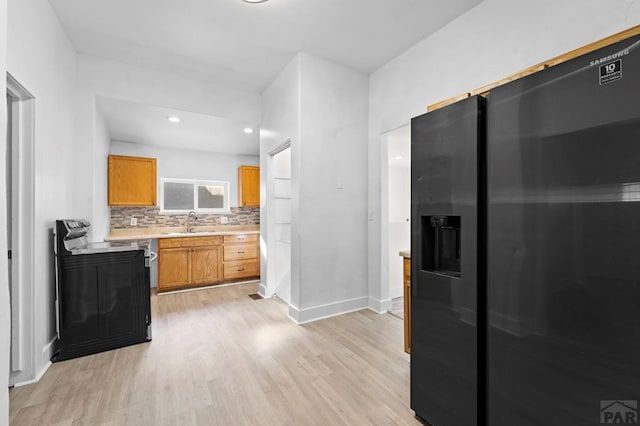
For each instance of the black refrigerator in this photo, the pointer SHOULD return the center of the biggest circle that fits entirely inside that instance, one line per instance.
(447, 267)
(556, 337)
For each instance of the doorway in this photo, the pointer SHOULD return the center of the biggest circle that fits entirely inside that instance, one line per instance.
(281, 172)
(398, 211)
(19, 180)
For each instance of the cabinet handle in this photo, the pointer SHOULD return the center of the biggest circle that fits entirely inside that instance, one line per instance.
(240, 238)
(240, 269)
(241, 252)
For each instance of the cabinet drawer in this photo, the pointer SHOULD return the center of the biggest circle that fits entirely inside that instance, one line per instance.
(240, 238)
(241, 251)
(240, 269)
(203, 241)
(189, 242)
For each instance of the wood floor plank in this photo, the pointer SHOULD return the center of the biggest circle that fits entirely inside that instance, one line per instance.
(219, 357)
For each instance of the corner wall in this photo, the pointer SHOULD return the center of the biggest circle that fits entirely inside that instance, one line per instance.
(322, 108)
(495, 39)
(280, 123)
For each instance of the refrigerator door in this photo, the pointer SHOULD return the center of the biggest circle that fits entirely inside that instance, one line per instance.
(564, 243)
(444, 262)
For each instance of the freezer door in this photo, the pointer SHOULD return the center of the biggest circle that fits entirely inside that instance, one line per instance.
(564, 243)
(444, 263)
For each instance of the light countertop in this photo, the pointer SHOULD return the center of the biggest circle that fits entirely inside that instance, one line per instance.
(405, 253)
(133, 234)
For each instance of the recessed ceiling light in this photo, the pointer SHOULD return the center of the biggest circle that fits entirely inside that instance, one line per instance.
(248, 130)
(174, 119)
(399, 157)
(254, 1)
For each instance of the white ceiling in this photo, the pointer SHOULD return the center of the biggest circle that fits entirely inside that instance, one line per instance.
(246, 45)
(147, 124)
(239, 45)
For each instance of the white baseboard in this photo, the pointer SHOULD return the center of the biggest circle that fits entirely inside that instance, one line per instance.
(262, 290)
(379, 306)
(45, 361)
(315, 313)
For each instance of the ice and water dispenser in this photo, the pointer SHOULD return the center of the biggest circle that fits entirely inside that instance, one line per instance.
(441, 244)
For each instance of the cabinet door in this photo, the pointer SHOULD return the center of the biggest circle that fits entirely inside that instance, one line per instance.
(174, 267)
(206, 264)
(132, 181)
(249, 184)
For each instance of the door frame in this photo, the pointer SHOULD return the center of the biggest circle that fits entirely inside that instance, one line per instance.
(270, 287)
(385, 287)
(22, 365)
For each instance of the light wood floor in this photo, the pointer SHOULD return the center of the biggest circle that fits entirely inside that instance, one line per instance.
(220, 358)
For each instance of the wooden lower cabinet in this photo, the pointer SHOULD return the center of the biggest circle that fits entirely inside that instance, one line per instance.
(241, 257)
(189, 262)
(186, 262)
(407, 304)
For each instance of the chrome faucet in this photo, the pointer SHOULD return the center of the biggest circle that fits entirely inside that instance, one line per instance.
(190, 217)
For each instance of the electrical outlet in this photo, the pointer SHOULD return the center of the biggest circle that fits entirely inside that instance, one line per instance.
(134, 221)
(224, 219)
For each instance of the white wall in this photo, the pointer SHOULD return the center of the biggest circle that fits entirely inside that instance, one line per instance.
(185, 164)
(41, 58)
(5, 319)
(492, 40)
(332, 206)
(100, 215)
(136, 84)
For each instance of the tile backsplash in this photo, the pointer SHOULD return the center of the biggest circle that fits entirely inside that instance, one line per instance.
(150, 217)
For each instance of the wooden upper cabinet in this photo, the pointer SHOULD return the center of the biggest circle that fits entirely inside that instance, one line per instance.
(132, 181)
(249, 186)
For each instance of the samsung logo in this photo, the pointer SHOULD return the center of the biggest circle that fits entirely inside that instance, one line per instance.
(610, 57)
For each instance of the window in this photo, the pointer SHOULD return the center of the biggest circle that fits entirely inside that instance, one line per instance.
(179, 196)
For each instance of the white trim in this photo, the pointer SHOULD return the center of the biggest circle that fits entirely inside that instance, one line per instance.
(379, 306)
(47, 353)
(286, 144)
(262, 290)
(384, 305)
(197, 182)
(320, 312)
(37, 378)
(23, 312)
